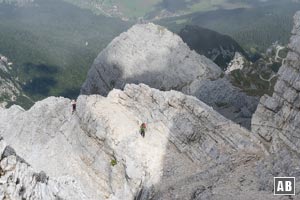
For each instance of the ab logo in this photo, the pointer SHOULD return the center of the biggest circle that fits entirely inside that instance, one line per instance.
(284, 185)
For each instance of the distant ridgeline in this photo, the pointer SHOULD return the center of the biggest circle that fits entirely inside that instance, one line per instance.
(255, 28)
(17, 2)
(254, 24)
(256, 76)
(158, 9)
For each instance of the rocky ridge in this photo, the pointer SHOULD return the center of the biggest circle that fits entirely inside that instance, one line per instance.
(106, 129)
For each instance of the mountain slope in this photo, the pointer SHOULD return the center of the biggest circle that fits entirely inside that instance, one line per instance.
(10, 90)
(217, 47)
(255, 28)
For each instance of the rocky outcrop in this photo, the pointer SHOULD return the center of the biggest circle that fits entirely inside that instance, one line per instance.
(101, 150)
(18, 181)
(277, 119)
(277, 115)
(237, 63)
(151, 54)
(148, 54)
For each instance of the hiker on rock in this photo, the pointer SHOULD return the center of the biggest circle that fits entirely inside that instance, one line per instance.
(143, 129)
(73, 105)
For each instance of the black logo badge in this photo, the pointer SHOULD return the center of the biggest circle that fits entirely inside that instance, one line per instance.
(284, 185)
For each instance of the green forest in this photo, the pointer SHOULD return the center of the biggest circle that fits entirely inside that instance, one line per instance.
(255, 29)
(53, 45)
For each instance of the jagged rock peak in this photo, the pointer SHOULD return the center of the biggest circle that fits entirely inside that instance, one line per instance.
(150, 54)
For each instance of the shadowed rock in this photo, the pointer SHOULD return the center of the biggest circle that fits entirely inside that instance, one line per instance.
(277, 118)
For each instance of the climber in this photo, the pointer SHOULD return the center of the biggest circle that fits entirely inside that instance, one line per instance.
(143, 129)
(73, 105)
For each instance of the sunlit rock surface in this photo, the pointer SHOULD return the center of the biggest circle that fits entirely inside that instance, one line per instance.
(187, 143)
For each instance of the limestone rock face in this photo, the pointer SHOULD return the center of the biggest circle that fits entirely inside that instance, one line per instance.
(188, 146)
(227, 100)
(152, 55)
(18, 181)
(277, 117)
(149, 54)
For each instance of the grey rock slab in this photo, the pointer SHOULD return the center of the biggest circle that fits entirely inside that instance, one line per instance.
(185, 139)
